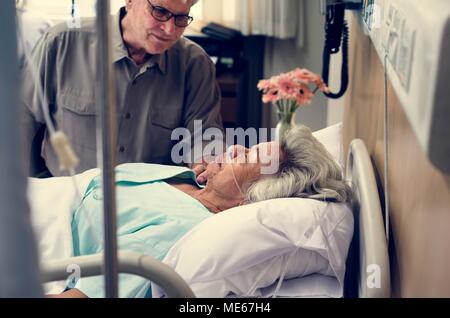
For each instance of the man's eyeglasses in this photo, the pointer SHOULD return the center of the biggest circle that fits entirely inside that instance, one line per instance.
(163, 15)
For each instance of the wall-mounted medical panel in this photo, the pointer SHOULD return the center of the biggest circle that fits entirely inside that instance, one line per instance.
(413, 36)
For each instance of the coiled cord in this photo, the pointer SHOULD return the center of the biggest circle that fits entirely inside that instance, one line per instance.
(336, 30)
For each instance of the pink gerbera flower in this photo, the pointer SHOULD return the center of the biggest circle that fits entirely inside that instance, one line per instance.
(291, 89)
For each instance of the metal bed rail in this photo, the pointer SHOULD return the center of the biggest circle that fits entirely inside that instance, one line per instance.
(368, 271)
(128, 262)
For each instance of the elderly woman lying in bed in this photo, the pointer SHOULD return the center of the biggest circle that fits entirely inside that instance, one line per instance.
(157, 204)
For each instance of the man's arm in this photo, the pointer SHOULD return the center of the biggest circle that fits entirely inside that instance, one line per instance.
(31, 105)
(203, 100)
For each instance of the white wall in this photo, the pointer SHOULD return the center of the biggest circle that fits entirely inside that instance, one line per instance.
(58, 10)
(284, 55)
(335, 107)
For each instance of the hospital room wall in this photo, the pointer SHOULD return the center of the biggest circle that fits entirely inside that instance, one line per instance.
(419, 193)
(284, 55)
(59, 10)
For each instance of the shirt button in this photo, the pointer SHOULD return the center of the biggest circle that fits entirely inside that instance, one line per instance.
(122, 149)
(127, 115)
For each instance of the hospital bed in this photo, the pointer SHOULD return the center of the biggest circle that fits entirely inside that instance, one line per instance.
(367, 266)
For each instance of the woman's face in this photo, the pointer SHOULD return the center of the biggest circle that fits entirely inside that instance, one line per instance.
(231, 174)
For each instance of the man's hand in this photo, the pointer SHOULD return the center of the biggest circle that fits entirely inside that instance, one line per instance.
(72, 293)
(200, 172)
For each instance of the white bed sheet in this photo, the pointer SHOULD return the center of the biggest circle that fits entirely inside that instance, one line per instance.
(51, 205)
(311, 286)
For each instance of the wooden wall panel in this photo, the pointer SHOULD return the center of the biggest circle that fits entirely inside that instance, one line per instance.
(419, 193)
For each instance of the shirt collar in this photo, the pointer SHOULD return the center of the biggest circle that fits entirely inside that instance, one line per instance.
(158, 60)
(120, 50)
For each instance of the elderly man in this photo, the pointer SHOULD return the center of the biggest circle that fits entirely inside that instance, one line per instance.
(158, 204)
(162, 81)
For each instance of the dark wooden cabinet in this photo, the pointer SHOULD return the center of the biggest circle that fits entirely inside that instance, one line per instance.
(230, 85)
(239, 67)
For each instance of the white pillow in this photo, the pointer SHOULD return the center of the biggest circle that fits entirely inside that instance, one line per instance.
(331, 138)
(247, 248)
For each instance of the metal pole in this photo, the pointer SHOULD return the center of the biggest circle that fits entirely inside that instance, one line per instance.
(19, 270)
(107, 140)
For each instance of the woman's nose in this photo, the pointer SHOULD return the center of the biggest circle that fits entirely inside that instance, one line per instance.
(220, 158)
(227, 156)
(236, 151)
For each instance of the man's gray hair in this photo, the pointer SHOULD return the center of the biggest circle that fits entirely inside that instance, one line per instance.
(307, 170)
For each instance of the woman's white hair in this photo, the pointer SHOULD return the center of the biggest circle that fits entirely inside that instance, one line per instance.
(307, 170)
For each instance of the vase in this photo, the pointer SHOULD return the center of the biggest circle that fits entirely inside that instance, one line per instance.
(286, 120)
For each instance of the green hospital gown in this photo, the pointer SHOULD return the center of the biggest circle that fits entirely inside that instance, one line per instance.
(151, 217)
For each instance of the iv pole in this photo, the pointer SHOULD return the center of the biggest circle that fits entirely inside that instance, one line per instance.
(106, 141)
(19, 270)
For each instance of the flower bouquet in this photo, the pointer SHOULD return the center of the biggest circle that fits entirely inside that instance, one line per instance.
(288, 91)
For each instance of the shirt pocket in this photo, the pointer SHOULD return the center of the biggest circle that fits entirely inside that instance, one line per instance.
(78, 119)
(163, 123)
(168, 119)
